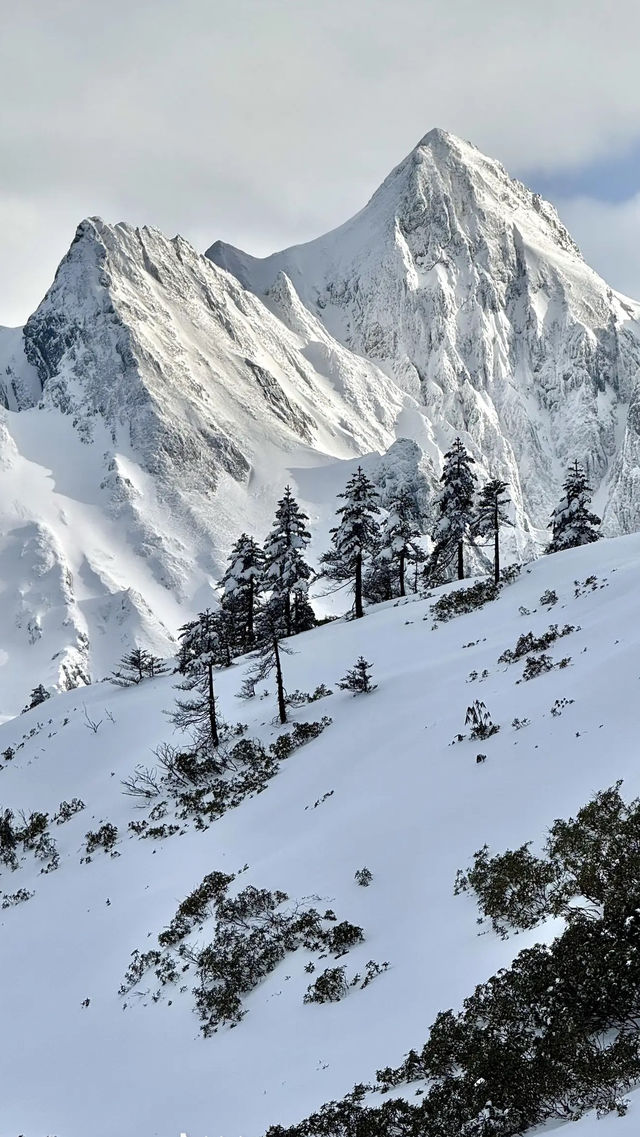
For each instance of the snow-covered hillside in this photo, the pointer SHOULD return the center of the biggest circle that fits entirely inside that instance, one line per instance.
(465, 287)
(381, 787)
(154, 410)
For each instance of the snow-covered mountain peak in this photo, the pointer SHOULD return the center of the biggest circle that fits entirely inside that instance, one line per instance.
(162, 409)
(464, 287)
(188, 389)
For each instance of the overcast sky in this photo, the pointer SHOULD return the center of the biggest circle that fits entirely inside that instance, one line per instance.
(267, 122)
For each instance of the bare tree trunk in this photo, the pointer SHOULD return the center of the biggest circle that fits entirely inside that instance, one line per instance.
(402, 591)
(213, 722)
(282, 707)
(496, 556)
(250, 613)
(460, 560)
(358, 603)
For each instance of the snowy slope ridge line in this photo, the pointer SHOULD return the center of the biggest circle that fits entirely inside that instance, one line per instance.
(465, 287)
(381, 787)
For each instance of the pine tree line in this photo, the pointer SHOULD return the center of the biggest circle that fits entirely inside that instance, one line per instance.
(466, 516)
(263, 594)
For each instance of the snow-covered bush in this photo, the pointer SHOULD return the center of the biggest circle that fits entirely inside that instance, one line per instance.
(329, 987)
(527, 643)
(103, 838)
(302, 733)
(463, 600)
(252, 933)
(67, 810)
(480, 721)
(537, 665)
(28, 835)
(549, 598)
(38, 696)
(364, 876)
(10, 899)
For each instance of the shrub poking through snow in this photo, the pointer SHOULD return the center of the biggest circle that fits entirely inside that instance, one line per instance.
(29, 834)
(528, 643)
(552, 1036)
(464, 600)
(10, 899)
(332, 985)
(202, 786)
(38, 695)
(67, 810)
(537, 665)
(302, 732)
(252, 933)
(549, 598)
(329, 987)
(103, 838)
(480, 721)
(358, 678)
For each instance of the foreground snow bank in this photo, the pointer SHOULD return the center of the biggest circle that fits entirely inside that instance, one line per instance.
(382, 787)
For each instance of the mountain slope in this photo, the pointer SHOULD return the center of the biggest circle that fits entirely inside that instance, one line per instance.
(464, 286)
(402, 801)
(154, 409)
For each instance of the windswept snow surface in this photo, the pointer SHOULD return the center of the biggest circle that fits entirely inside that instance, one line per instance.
(404, 802)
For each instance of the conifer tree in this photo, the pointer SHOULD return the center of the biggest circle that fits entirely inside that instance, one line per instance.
(137, 665)
(358, 678)
(491, 515)
(285, 569)
(38, 695)
(271, 628)
(455, 506)
(303, 617)
(399, 544)
(201, 650)
(240, 585)
(378, 577)
(355, 538)
(572, 523)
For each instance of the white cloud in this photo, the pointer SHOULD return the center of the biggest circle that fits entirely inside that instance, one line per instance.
(609, 238)
(268, 121)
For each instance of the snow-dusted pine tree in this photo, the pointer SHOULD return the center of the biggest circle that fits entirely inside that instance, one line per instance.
(455, 508)
(201, 650)
(285, 569)
(491, 515)
(137, 665)
(378, 577)
(572, 523)
(399, 538)
(356, 536)
(358, 678)
(240, 585)
(38, 695)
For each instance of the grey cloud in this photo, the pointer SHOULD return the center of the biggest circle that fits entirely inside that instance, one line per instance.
(269, 121)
